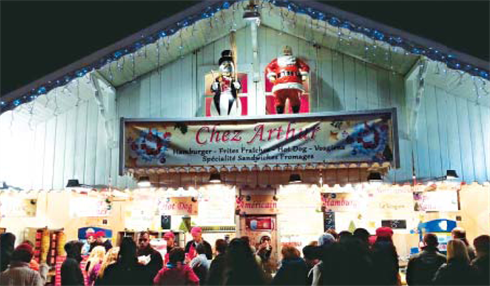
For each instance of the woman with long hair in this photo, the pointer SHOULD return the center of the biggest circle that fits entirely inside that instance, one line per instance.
(93, 263)
(71, 274)
(109, 259)
(457, 270)
(126, 271)
(241, 267)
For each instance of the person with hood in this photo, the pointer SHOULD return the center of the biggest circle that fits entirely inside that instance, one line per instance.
(385, 258)
(7, 242)
(325, 241)
(71, 274)
(241, 267)
(293, 269)
(457, 270)
(150, 259)
(19, 273)
(126, 271)
(481, 263)
(216, 270)
(422, 266)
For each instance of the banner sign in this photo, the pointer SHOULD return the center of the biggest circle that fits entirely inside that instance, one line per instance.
(442, 201)
(178, 206)
(372, 201)
(11, 206)
(391, 202)
(343, 202)
(89, 207)
(342, 138)
(256, 204)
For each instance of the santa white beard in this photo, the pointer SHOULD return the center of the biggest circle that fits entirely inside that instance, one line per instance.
(286, 61)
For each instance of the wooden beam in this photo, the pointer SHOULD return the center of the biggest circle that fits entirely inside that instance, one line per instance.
(421, 69)
(107, 108)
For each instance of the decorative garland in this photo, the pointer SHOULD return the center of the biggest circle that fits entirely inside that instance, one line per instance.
(450, 60)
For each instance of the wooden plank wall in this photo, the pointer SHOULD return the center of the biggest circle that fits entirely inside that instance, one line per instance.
(451, 129)
(452, 135)
(71, 145)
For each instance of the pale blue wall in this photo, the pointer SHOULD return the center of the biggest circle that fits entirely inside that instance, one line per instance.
(452, 131)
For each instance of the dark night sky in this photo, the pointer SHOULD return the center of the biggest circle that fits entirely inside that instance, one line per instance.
(40, 37)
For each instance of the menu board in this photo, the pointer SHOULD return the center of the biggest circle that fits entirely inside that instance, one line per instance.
(89, 207)
(442, 201)
(140, 214)
(217, 208)
(17, 207)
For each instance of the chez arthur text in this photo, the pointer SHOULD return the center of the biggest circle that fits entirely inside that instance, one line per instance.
(211, 134)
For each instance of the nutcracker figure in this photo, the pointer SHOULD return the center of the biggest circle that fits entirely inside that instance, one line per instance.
(287, 74)
(226, 86)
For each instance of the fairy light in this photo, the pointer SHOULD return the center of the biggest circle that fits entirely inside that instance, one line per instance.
(408, 47)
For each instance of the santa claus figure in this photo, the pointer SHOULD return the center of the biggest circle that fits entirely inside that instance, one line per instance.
(225, 88)
(287, 74)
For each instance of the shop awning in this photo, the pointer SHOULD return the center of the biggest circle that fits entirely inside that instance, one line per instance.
(329, 174)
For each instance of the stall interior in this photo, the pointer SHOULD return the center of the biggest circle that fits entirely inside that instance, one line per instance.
(291, 214)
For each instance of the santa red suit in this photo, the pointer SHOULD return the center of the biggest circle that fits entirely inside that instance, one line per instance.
(287, 74)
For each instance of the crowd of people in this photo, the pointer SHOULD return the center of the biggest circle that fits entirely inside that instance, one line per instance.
(345, 258)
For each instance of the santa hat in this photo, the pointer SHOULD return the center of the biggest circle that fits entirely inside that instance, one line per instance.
(195, 230)
(90, 234)
(169, 235)
(384, 232)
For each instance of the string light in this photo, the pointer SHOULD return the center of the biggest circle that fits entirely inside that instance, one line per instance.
(449, 60)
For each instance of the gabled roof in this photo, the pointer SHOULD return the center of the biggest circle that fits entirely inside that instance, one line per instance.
(210, 20)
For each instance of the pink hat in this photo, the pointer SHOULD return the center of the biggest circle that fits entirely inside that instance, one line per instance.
(196, 230)
(169, 235)
(90, 234)
(100, 233)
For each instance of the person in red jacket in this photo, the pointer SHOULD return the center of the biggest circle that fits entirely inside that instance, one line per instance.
(287, 74)
(176, 272)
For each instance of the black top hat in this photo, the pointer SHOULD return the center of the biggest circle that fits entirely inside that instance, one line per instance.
(226, 55)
